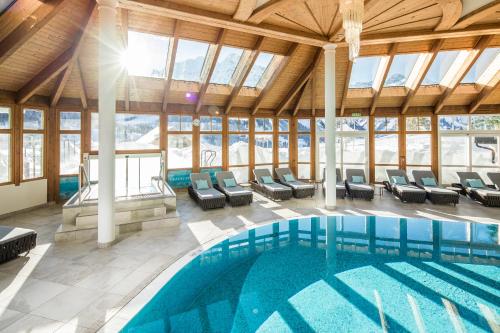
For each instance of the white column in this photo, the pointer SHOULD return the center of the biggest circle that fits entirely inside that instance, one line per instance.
(108, 74)
(331, 127)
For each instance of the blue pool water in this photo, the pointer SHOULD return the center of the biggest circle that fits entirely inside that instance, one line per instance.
(337, 274)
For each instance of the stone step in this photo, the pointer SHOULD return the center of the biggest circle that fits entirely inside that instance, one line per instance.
(127, 216)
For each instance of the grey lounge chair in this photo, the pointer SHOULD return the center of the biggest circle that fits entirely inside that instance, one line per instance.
(435, 193)
(484, 194)
(406, 192)
(495, 178)
(359, 190)
(236, 195)
(206, 198)
(300, 189)
(274, 191)
(14, 241)
(340, 187)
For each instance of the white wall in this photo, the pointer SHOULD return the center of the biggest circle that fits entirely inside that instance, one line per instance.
(26, 195)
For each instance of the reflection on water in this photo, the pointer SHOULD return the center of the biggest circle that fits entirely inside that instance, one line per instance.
(329, 274)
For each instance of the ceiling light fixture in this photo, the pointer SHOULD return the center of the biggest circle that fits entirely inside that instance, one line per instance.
(352, 22)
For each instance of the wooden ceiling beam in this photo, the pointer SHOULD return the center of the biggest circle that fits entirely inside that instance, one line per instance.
(244, 74)
(30, 26)
(452, 10)
(426, 65)
(477, 15)
(267, 89)
(211, 62)
(343, 102)
(124, 33)
(472, 57)
(172, 52)
(83, 90)
(306, 75)
(486, 92)
(78, 42)
(300, 98)
(269, 8)
(379, 82)
(244, 10)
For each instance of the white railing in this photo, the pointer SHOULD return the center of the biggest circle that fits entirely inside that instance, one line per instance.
(83, 176)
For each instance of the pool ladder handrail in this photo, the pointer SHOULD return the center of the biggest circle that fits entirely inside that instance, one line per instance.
(82, 175)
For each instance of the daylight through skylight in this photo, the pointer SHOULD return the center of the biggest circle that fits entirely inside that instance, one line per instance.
(227, 62)
(146, 54)
(364, 71)
(442, 63)
(258, 69)
(400, 70)
(489, 57)
(189, 60)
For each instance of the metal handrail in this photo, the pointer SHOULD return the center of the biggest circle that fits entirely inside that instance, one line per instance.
(82, 174)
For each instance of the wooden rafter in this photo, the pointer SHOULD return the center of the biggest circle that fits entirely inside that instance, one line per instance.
(268, 9)
(313, 94)
(379, 82)
(306, 75)
(421, 74)
(452, 9)
(245, 10)
(485, 92)
(477, 15)
(472, 57)
(31, 25)
(211, 62)
(172, 52)
(80, 36)
(83, 90)
(244, 74)
(124, 33)
(343, 102)
(300, 98)
(269, 86)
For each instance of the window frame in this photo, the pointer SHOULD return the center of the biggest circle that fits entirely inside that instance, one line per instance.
(239, 132)
(11, 133)
(184, 132)
(311, 144)
(74, 132)
(418, 131)
(398, 132)
(212, 132)
(43, 132)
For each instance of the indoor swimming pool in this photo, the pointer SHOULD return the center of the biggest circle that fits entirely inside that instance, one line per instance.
(337, 274)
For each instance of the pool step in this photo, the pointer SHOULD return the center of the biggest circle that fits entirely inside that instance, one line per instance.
(126, 216)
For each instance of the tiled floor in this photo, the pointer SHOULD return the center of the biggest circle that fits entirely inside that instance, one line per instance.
(76, 287)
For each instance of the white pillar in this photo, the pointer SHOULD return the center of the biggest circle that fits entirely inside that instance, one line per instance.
(108, 73)
(331, 127)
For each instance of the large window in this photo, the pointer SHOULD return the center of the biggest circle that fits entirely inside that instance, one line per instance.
(132, 132)
(239, 148)
(284, 143)
(444, 62)
(264, 143)
(210, 141)
(33, 143)
(69, 142)
(259, 74)
(485, 67)
(5, 145)
(146, 54)
(468, 143)
(364, 71)
(418, 144)
(401, 68)
(304, 148)
(386, 146)
(228, 60)
(189, 60)
(180, 142)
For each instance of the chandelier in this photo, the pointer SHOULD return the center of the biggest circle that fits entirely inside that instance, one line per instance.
(352, 22)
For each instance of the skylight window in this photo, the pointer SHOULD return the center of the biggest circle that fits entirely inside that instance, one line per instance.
(227, 62)
(364, 71)
(441, 65)
(489, 57)
(146, 54)
(259, 68)
(401, 68)
(189, 60)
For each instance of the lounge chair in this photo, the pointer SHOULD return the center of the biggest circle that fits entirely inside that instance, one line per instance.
(402, 188)
(340, 187)
(14, 241)
(299, 189)
(357, 186)
(495, 178)
(477, 190)
(203, 192)
(265, 184)
(426, 180)
(235, 194)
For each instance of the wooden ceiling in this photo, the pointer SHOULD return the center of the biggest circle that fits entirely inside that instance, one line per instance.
(50, 48)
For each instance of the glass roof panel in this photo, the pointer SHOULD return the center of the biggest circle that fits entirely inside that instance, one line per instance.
(227, 62)
(400, 70)
(442, 63)
(146, 54)
(258, 69)
(364, 71)
(189, 60)
(482, 63)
